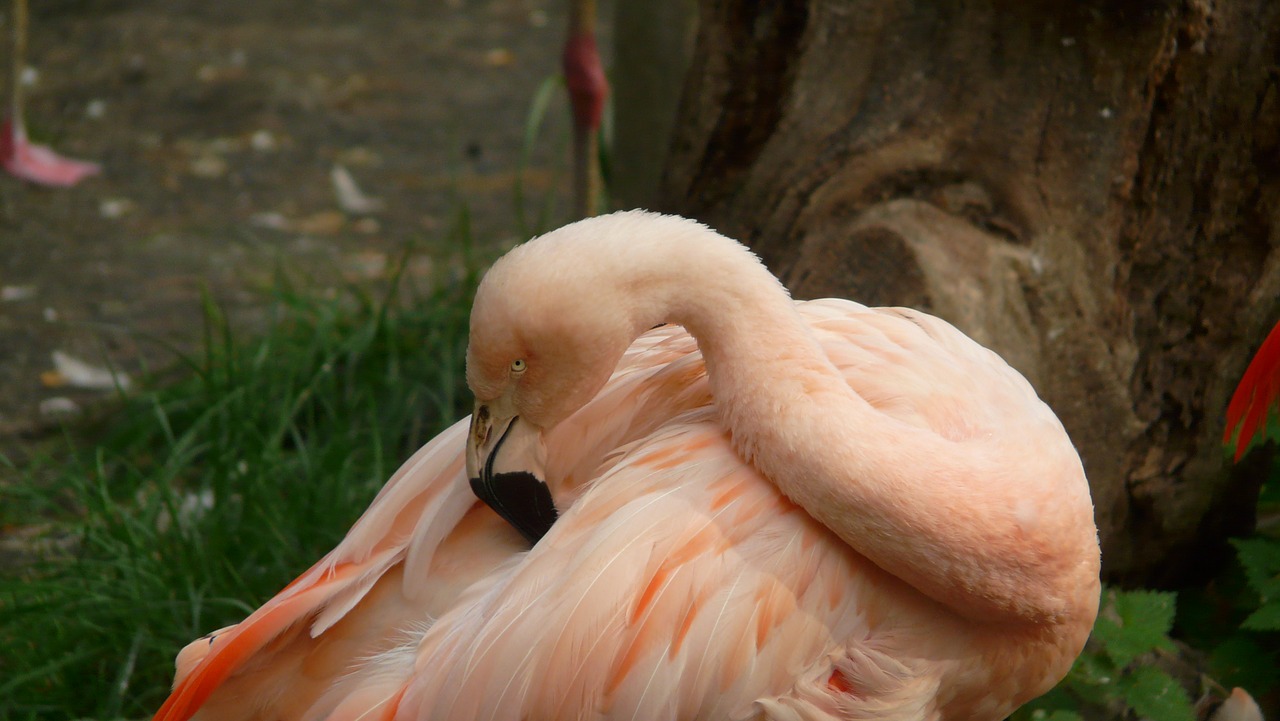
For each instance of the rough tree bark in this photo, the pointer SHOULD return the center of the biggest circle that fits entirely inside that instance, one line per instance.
(1092, 189)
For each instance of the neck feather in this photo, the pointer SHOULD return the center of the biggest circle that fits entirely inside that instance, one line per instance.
(938, 513)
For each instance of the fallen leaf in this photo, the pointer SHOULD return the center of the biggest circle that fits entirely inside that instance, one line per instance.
(350, 197)
(78, 374)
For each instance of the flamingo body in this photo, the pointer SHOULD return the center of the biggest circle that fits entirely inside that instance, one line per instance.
(679, 581)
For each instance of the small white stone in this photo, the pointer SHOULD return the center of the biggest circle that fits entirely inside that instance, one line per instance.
(270, 220)
(262, 141)
(11, 293)
(59, 407)
(112, 208)
(209, 166)
(1037, 264)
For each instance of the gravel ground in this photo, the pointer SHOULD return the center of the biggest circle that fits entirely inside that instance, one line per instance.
(219, 127)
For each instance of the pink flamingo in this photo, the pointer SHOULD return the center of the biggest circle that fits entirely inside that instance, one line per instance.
(18, 155)
(779, 510)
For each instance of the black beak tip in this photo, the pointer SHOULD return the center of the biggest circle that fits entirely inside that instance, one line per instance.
(521, 499)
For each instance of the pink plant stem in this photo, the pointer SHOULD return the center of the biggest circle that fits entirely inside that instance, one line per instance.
(588, 87)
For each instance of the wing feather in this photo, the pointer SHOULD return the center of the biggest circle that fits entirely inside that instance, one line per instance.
(429, 482)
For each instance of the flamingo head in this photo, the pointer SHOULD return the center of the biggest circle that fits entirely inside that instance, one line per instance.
(547, 329)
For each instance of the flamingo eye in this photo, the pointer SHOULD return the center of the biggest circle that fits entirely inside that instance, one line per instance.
(518, 365)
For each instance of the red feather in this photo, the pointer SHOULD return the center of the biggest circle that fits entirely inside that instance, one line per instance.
(1257, 394)
(585, 78)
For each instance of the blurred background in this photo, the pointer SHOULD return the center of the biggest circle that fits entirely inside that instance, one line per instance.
(219, 127)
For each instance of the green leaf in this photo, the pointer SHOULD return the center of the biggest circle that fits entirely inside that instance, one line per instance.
(1092, 668)
(1266, 618)
(1241, 661)
(1261, 560)
(1134, 623)
(1154, 695)
(1056, 715)
(1056, 699)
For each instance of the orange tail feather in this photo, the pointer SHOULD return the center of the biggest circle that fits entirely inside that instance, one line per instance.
(246, 638)
(1257, 394)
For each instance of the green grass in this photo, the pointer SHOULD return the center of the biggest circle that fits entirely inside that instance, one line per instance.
(197, 500)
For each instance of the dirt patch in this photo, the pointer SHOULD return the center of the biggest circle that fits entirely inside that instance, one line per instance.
(218, 126)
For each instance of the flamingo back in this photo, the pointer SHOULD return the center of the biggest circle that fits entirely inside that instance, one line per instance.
(677, 583)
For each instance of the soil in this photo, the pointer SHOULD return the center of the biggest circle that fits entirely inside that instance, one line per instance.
(218, 126)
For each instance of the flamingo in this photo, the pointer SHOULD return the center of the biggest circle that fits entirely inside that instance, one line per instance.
(23, 159)
(702, 500)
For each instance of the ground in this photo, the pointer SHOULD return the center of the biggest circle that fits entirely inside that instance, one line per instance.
(218, 126)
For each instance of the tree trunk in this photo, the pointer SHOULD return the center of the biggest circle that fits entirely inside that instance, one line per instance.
(652, 41)
(1091, 189)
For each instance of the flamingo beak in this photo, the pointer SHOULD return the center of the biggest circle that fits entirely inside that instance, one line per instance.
(506, 465)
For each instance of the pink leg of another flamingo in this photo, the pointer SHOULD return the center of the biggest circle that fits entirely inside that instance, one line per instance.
(18, 155)
(584, 76)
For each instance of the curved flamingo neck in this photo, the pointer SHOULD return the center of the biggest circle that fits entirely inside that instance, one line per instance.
(939, 514)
